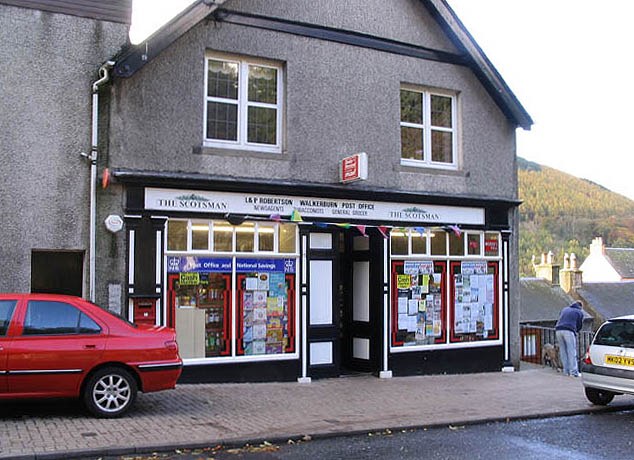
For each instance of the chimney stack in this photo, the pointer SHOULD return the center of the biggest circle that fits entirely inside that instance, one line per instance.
(571, 276)
(548, 270)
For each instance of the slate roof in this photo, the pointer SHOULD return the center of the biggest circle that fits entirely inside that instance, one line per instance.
(622, 259)
(609, 299)
(541, 301)
(137, 56)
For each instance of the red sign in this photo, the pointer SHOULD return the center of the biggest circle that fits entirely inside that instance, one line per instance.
(354, 168)
(491, 246)
(350, 168)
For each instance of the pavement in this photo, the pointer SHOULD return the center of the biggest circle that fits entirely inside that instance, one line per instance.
(202, 415)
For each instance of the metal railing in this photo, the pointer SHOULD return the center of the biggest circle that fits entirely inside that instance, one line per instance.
(533, 339)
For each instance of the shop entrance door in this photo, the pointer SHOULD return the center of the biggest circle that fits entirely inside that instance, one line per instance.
(361, 306)
(320, 281)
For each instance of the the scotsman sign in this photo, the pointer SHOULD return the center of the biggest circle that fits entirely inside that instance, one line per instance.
(320, 208)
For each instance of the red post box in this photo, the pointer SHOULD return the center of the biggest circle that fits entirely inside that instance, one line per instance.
(145, 311)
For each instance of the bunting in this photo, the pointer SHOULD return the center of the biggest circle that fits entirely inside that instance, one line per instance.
(455, 229)
(383, 231)
(361, 229)
(296, 217)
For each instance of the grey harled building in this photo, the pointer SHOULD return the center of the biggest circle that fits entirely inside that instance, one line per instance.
(225, 135)
(51, 51)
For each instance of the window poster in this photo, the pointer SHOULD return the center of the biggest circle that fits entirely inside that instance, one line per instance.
(474, 298)
(265, 312)
(418, 308)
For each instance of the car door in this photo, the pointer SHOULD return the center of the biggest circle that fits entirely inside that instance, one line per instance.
(7, 309)
(57, 346)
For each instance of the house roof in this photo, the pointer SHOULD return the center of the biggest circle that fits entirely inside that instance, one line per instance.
(541, 301)
(609, 299)
(136, 56)
(622, 259)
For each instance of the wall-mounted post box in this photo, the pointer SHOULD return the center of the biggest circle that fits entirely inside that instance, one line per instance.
(144, 311)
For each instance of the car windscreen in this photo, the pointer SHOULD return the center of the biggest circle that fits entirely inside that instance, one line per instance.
(616, 334)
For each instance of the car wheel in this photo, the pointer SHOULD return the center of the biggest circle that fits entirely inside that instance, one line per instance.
(110, 392)
(599, 397)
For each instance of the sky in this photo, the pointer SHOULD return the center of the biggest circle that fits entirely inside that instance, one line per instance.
(567, 61)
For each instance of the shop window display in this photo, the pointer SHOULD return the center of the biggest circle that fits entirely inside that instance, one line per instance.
(474, 242)
(491, 244)
(235, 304)
(266, 306)
(200, 291)
(474, 308)
(418, 302)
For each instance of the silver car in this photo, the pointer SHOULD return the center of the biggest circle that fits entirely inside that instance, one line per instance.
(608, 366)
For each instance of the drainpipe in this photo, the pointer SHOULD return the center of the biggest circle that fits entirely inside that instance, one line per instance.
(103, 78)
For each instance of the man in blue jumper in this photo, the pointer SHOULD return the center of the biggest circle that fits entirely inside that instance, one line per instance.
(569, 323)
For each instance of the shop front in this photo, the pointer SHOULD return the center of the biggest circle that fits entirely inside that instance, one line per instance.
(268, 285)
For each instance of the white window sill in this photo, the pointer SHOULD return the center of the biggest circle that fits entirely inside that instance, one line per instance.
(426, 169)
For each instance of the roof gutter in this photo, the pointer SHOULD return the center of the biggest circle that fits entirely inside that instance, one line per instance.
(484, 69)
(138, 55)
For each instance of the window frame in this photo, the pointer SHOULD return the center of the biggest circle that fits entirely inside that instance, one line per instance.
(449, 295)
(243, 104)
(234, 356)
(427, 128)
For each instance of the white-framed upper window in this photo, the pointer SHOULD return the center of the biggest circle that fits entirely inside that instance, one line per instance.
(428, 128)
(243, 104)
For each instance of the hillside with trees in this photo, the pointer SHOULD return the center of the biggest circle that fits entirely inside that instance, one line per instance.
(562, 213)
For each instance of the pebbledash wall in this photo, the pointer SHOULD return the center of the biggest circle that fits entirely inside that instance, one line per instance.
(335, 100)
(50, 52)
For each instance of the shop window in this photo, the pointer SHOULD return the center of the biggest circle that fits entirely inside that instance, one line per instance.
(200, 236)
(399, 242)
(474, 242)
(438, 243)
(491, 244)
(200, 292)
(266, 306)
(456, 244)
(245, 237)
(474, 301)
(223, 237)
(229, 306)
(419, 242)
(428, 136)
(287, 238)
(418, 303)
(266, 238)
(177, 235)
(243, 108)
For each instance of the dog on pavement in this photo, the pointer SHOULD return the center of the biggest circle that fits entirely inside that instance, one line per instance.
(550, 356)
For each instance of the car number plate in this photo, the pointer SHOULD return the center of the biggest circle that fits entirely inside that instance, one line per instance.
(619, 360)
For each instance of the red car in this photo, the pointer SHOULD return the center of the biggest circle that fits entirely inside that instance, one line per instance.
(61, 346)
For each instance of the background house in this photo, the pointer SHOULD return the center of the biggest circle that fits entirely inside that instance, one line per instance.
(608, 265)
